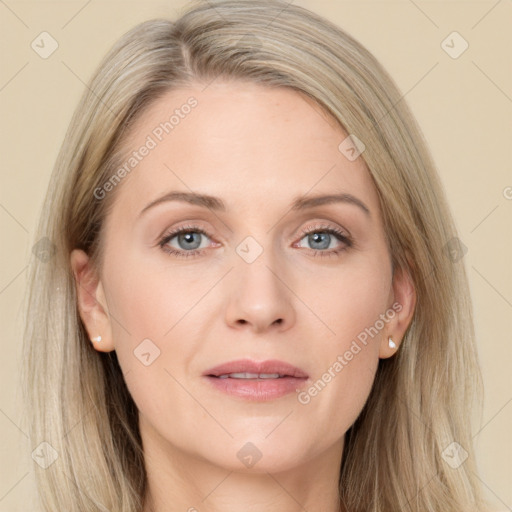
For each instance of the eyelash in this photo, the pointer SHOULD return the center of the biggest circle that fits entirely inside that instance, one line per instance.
(308, 230)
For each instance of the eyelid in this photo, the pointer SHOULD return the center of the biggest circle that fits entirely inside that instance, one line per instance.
(324, 225)
(341, 234)
(171, 233)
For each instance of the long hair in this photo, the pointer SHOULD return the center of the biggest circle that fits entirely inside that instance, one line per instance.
(399, 453)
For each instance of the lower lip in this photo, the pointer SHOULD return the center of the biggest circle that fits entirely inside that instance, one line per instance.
(257, 389)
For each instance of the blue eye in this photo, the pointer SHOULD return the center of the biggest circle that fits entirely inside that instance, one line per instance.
(188, 239)
(319, 238)
(322, 239)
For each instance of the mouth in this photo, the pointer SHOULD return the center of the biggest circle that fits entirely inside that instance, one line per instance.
(250, 376)
(249, 369)
(256, 381)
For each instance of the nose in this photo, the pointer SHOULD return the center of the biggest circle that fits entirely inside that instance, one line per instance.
(258, 298)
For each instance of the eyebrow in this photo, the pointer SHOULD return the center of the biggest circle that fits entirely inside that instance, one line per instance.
(216, 204)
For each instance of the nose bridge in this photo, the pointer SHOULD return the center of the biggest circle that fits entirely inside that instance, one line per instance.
(258, 295)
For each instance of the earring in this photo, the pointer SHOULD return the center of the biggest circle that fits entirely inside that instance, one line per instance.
(97, 339)
(391, 343)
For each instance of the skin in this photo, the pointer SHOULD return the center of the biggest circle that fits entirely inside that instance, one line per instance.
(256, 148)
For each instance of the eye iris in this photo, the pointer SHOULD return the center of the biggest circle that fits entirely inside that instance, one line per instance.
(322, 238)
(189, 238)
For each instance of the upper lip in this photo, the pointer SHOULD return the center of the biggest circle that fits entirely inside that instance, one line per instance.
(249, 366)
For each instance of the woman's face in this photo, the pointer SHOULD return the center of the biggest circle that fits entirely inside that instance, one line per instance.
(267, 271)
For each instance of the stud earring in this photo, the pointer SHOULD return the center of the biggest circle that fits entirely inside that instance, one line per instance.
(97, 339)
(391, 343)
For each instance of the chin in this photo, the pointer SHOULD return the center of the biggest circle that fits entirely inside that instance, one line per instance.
(252, 454)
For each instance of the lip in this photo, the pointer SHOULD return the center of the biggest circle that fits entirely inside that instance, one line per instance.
(250, 366)
(257, 389)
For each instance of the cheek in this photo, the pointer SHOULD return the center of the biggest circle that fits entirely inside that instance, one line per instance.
(146, 306)
(351, 300)
(145, 301)
(139, 316)
(152, 311)
(353, 307)
(136, 305)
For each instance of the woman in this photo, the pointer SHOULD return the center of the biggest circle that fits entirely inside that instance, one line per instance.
(254, 298)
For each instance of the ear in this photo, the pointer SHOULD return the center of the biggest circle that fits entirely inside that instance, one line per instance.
(402, 302)
(92, 304)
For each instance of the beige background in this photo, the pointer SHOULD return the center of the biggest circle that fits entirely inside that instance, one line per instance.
(464, 106)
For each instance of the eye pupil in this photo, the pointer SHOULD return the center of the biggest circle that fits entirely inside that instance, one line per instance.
(188, 238)
(319, 237)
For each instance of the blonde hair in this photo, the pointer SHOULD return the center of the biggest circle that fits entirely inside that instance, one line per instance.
(421, 399)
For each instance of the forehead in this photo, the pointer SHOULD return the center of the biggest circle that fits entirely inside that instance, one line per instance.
(244, 142)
